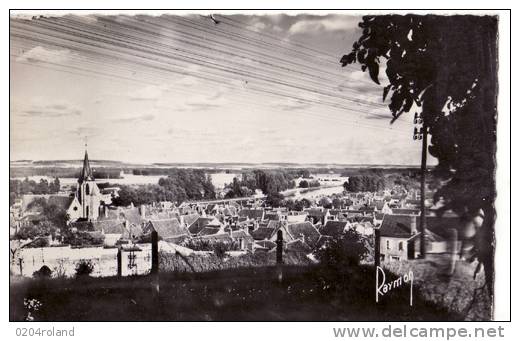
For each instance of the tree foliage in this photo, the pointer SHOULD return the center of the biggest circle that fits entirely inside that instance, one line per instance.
(18, 188)
(297, 205)
(268, 181)
(309, 184)
(178, 186)
(446, 67)
(274, 200)
(51, 219)
(365, 183)
(343, 251)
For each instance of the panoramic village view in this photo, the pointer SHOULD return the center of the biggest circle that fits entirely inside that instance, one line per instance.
(213, 167)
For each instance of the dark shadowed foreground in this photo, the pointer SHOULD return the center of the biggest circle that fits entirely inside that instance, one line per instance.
(249, 294)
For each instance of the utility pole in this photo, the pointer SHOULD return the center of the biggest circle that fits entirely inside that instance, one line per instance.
(423, 189)
(422, 134)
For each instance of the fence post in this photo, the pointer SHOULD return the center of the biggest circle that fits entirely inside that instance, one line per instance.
(20, 264)
(279, 255)
(279, 247)
(119, 261)
(155, 252)
(155, 264)
(377, 248)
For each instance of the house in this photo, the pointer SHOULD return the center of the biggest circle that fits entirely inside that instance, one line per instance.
(398, 237)
(364, 227)
(273, 215)
(381, 206)
(333, 228)
(132, 231)
(201, 222)
(263, 233)
(298, 246)
(252, 213)
(296, 217)
(318, 215)
(134, 215)
(337, 214)
(188, 219)
(378, 218)
(108, 193)
(69, 203)
(230, 211)
(167, 229)
(264, 245)
(304, 231)
(209, 230)
(112, 229)
(244, 240)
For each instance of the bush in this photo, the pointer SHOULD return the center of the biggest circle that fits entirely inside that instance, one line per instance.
(210, 245)
(60, 270)
(84, 268)
(44, 272)
(219, 249)
(82, 238)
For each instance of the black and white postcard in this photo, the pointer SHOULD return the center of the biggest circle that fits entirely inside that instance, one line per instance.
(257, 166)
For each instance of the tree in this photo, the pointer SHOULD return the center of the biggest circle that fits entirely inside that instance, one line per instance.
(365, 183)
(337, 203)
(30, 231)
(343, 251)
(446, 67)
(275, 199)
(305, 174)
(55, 186)
(325, 202)
(306, 203)
(304, 184)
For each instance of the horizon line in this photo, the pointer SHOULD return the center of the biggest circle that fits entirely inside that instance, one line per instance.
(213, 163)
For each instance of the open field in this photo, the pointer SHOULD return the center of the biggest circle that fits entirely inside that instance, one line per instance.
(250, 294)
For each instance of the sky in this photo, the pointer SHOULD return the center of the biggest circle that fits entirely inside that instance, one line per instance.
(195, 88)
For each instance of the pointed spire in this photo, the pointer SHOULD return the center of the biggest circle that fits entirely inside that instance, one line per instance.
(86, 172)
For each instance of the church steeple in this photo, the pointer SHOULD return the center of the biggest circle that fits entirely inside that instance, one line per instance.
(86, 172)
(87, 192)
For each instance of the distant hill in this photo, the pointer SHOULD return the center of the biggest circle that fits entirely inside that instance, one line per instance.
(205, 165)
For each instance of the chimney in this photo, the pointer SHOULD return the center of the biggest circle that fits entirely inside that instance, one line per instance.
(413, 224)
(142, 210)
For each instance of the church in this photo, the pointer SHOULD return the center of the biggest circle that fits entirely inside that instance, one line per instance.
(87, 199)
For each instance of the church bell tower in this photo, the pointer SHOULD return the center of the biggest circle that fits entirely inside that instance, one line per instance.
(88, 192)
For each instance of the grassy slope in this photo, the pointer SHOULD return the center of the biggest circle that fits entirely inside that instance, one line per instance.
(253, 294)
